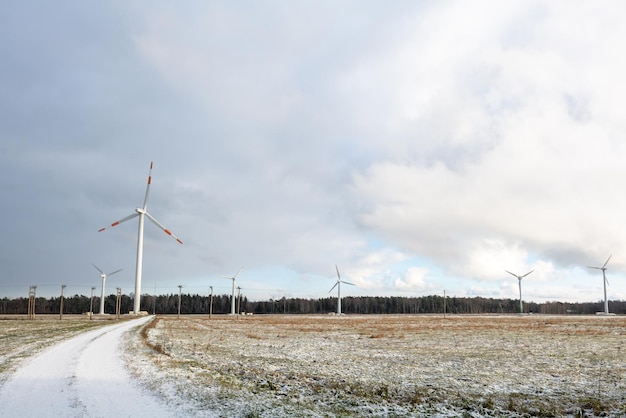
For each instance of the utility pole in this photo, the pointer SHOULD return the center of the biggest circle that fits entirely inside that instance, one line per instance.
(91, 304)
(211, 302)
(238, 301)
(61, 310)
(180, 291)
(118, 302)
(31, 302)
(154, 302)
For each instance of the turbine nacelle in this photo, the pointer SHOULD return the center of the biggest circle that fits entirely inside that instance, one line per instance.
(517, 276)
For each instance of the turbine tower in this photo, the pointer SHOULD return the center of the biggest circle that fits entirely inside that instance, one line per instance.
(605, 281)
(519, 278)
(232, 299)
(338, 285)
(142, 213)
(103, 275)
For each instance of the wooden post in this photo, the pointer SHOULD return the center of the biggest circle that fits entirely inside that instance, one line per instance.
(31, 302)
(180, 291)
(91, 304)
(211, 303)
(61, 309)
(238, 301)
(118, 302)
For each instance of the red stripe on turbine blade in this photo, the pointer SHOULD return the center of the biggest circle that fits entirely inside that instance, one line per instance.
(167, 231)
(179, 240)
(151, 165)
(149, 179)
(115, 223)
(101, 229)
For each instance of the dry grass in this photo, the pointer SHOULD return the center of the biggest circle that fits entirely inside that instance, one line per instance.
(397, 365)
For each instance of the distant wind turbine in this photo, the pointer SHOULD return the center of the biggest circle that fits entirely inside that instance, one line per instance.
(605, 281)
(338, 286)
(142, 213)
(103, 275)
(519, 278)
(232, 300)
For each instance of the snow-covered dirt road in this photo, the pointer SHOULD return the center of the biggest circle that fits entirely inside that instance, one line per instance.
(80, 377)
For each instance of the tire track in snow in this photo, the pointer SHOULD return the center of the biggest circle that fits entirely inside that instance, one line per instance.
(81, 377)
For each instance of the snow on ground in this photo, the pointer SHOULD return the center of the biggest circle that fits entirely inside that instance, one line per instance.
(20, 339)
(321, 366)
(80, 377)
(314, 366)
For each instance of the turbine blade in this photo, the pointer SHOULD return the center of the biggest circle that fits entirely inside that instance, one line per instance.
(116, 271)
(167, 231)
(116, 223)
(528, 273)
(338, 275)
(334, 286)
(598, 268)
(101, 272)
(607, 260)
(512, 274)
(237, 274)
(351, 284)
(145, 200)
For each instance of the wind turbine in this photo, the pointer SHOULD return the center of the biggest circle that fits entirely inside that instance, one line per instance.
(519, 278)
(232, 299)
(142, 213)
(338, 285)
(103, 275)
(603, 268)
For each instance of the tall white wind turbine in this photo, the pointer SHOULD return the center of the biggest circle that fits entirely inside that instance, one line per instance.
(232, 299)
(605, 281)
(142, 213)
(519, 278)
(338, 286)
(103, 275)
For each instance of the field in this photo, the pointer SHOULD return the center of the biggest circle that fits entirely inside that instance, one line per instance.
(389, 365)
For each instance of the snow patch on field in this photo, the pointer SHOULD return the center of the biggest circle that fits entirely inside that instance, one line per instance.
(387, 365)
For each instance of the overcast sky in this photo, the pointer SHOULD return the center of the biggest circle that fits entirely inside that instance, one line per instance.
(420, 146)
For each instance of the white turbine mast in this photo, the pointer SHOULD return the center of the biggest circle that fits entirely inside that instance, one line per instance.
(103, 275)
(605, 282)
(232, 299)
(338, 286)
(519, 278)
(142, 213)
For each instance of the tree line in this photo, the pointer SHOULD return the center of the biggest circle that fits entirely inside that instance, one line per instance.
(221, 304)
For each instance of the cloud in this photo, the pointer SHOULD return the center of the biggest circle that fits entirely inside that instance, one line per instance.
(413, 144)
(413, 280)
(523, 160)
